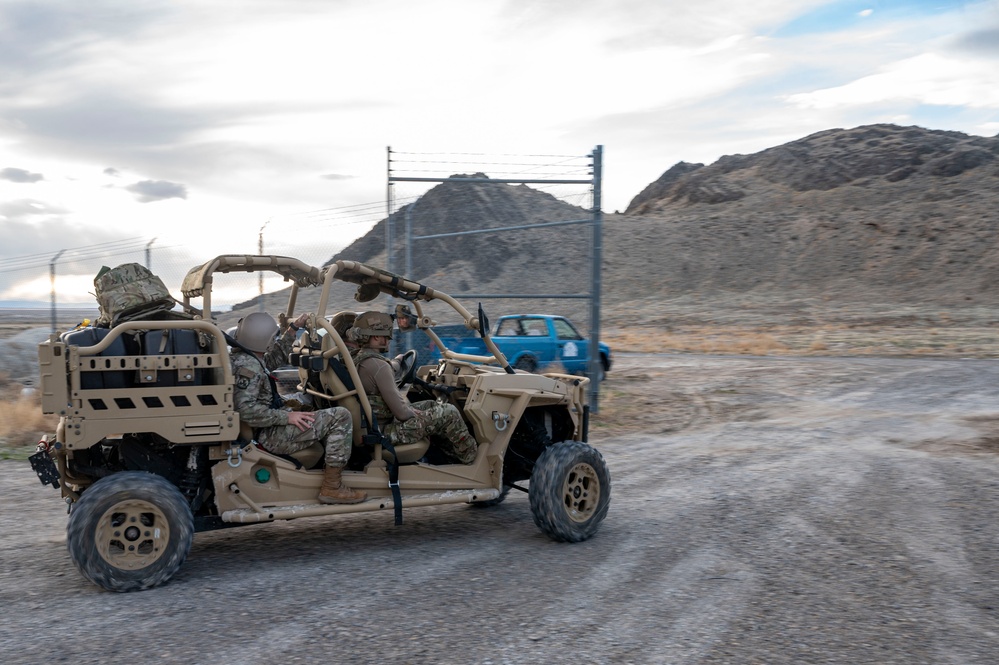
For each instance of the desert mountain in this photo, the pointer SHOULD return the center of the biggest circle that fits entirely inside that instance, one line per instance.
(880, 211)
(871, 214)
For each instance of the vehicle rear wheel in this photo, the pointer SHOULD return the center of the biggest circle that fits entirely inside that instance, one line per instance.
(570, 491)
(130, 531)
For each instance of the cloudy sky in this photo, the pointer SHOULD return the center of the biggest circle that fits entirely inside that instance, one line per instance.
(187, 126)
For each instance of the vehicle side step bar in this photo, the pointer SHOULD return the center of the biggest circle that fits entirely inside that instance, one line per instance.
(254, 513)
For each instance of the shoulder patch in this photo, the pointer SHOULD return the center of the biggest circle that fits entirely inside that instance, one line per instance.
(244, 375)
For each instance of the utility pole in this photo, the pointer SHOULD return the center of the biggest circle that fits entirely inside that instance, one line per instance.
(149, 244)
(389, 203)
(260, 274)
(52, 276)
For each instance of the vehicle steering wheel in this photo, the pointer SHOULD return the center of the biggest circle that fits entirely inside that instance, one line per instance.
(406, 371)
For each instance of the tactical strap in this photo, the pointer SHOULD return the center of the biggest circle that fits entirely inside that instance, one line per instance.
(341, 372)
(374, 435)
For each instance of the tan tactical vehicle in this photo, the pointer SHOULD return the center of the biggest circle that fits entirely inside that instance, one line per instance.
(148, 449)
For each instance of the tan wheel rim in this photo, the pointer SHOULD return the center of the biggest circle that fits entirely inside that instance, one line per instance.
(581, 492)
(132, 535)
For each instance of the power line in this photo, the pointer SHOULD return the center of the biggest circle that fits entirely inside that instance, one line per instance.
(71, 255)
(108, 245)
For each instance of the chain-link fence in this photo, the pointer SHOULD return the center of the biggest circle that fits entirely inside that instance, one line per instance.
(524, 238)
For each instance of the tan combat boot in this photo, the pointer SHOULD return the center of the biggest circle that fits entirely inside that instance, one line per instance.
(334, 491)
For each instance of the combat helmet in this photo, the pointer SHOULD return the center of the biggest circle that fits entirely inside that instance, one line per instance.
(369, 324)
(256, 331)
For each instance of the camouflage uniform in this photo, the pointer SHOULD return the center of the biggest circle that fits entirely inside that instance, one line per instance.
(252, 399)
(429, 417)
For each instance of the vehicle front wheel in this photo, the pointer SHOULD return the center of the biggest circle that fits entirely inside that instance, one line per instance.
(570, 491)
(130, 531)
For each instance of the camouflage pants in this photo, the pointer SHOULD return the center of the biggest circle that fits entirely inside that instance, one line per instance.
(435, 418)
(332, 427)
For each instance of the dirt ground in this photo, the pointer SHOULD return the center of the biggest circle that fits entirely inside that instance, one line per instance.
(764, 510)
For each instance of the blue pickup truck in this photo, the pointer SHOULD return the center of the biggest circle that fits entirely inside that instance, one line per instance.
(530, 342)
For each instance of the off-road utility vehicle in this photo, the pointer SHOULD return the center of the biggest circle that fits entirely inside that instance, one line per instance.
(149, 450)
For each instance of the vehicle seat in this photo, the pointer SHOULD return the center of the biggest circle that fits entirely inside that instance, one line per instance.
(409, 452)
(307, 457)
(334, 385)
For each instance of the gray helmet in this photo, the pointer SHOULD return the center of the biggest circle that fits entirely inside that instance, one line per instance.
(368, 324)
(256, 331)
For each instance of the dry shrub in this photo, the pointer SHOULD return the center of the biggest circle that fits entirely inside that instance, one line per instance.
(21, 419)
(705, 340)
(750, 344)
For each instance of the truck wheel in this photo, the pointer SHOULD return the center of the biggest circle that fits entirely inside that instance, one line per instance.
(570, 491)
(526, 363)
(130, 531)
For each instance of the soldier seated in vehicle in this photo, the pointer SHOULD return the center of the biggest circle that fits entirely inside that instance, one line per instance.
(401, 421)
(342, 322)
(277, 429)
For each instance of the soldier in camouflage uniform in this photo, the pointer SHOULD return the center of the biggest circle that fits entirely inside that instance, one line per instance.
(276, 428)
(401, 421)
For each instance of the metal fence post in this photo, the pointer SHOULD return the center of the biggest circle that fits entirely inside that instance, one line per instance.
(260, 275)
(594, 364)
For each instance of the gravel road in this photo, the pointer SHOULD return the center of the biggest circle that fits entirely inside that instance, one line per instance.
(764, 510)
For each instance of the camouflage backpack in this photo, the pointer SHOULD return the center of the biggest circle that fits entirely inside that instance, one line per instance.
(128, 292)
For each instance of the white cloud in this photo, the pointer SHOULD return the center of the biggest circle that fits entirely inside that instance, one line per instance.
(928, 78)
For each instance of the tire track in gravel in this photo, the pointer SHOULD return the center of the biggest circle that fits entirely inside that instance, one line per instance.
(799, 521)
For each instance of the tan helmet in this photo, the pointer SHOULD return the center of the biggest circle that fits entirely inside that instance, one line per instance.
(368, 324)
(342, 321)
(256, 331)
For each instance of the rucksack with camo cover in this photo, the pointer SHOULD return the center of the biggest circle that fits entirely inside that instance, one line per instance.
(129, 292)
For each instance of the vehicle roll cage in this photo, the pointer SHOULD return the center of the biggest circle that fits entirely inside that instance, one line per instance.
(371, 282)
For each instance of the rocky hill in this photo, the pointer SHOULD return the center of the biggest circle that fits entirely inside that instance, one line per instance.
(874, 214)
(875, 211)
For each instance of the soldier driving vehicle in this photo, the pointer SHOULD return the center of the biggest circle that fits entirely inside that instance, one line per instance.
(164, 433)
(403, 422)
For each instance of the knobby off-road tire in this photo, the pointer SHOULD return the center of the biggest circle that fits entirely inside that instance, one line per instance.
(570, 491)
(130, 531)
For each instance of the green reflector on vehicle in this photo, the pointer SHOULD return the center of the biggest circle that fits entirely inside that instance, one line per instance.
(262, 475)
